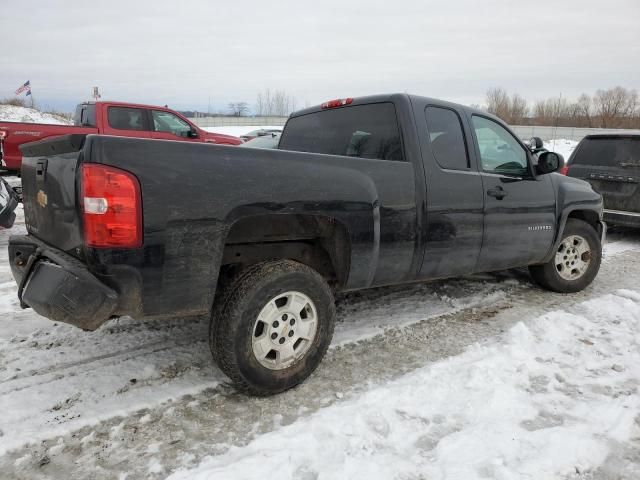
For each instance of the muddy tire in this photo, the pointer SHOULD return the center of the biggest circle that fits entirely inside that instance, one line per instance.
(271, 326)
(576, 261)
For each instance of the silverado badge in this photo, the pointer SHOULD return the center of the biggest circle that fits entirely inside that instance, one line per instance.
(42, 198)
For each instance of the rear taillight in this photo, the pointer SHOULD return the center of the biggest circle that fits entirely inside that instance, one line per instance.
(111, 206)
(339, 102)
(564, 170)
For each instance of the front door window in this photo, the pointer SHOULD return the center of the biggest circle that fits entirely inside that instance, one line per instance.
(169, 123)
(499, 152)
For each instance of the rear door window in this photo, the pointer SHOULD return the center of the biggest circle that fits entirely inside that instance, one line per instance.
(85, 115)
(446, 137)
(608, 152)
(126, 118)
(364, 131)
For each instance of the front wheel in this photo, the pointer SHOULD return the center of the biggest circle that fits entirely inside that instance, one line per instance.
(273, 327)
(576, 261)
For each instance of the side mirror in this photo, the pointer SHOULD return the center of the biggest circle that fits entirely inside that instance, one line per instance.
(535, 143)
(549, 162)
(192, 133)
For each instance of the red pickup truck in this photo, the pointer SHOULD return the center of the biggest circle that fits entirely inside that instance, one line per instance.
(107, 118)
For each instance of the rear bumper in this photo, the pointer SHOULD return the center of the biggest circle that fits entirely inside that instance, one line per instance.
(58, 286)
(622, 218)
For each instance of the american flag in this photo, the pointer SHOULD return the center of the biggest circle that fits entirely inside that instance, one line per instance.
(26, 86)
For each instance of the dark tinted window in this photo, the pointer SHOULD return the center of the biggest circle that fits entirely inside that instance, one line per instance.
(608, 152)
(125, 118)
(85, 115)
(366, 131)
(447, 139)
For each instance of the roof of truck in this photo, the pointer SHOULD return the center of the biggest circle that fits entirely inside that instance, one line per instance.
(391, 97)
(126, 104)
(628, 134)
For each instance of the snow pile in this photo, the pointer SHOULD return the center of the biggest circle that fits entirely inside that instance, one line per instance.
(237, 131)
(558, 397)
(562, 146)
(10, 113)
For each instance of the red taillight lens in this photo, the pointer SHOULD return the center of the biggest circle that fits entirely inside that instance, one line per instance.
(564, 170)
(340, 102)
(112, 207)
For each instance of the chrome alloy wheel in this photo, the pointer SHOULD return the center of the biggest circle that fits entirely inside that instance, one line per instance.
(573, 257)
(284, 330)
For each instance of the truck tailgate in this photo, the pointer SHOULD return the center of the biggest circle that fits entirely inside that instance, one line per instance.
(49, 191)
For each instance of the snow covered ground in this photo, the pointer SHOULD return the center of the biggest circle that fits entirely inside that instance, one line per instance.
(558, 395)
(562, 146)
(480, 377)
(9, 113)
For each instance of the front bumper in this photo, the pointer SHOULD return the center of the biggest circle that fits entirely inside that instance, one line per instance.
(59, 286)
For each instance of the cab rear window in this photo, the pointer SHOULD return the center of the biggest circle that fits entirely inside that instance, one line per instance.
(608, 152)
(364, 131)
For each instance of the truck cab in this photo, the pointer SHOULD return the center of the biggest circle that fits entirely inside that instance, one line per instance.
(108, 118)
(144, 121)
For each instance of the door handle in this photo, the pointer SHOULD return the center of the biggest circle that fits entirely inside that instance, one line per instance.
(497, 192)
(41, 169)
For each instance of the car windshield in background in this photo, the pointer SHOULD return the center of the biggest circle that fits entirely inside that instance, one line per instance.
(365, 131)
(608, 152)
(265, 141)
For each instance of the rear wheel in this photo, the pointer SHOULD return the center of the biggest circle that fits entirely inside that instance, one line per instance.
(274, 326)
(576, 261)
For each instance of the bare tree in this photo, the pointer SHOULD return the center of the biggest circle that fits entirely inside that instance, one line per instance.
(512, 109)
(584, 110)
(552, 111)
(497, 100)
(277, 103)
(615, 107)
(517, 109)
(238, 109)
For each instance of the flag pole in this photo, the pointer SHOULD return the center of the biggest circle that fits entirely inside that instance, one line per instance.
(33, 103)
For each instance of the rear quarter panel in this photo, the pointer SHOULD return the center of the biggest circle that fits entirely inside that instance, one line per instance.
(195, 192)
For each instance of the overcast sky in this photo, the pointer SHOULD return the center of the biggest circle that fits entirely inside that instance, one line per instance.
(183, 52)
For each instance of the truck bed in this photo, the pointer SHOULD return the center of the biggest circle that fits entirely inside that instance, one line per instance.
(192, 197)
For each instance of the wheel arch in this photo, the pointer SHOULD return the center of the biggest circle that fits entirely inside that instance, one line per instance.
(587, 215)
(318, 241)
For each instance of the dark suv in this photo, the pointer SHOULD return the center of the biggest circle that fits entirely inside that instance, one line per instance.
(611, 163)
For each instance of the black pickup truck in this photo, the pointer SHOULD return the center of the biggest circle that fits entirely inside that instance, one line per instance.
(359, 193)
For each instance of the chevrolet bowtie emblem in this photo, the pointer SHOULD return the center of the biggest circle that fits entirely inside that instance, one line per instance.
(42, 198)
